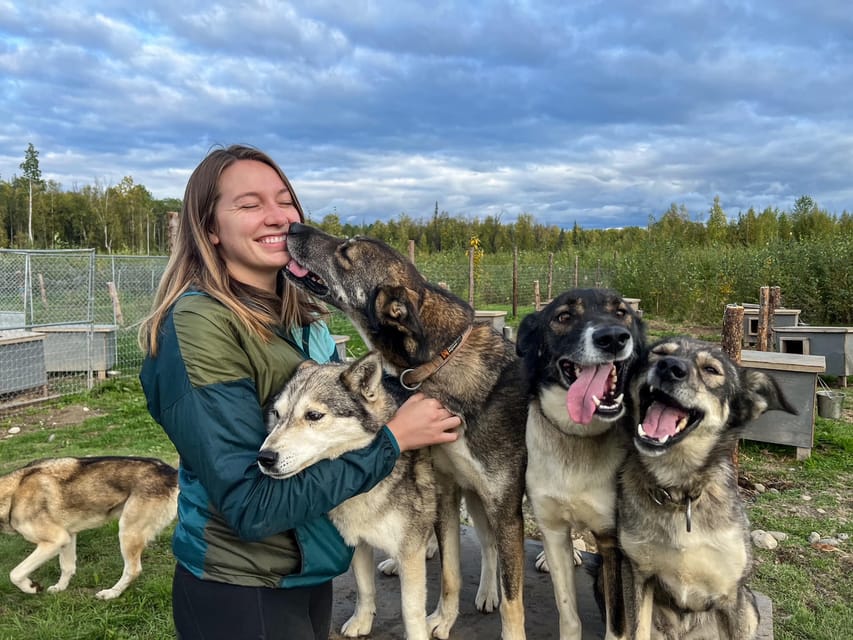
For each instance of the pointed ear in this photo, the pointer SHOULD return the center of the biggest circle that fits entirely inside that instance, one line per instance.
(529, 334)
(762, 393)
(307, 364)
(364, 376)
(397, 307)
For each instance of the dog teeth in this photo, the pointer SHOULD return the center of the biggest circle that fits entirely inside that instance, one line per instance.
(596, 401)
(664, 439)
(640, 431)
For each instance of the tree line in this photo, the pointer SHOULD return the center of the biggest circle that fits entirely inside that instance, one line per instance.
(126, 219)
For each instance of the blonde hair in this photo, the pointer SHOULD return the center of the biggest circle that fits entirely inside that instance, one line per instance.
(196, 263)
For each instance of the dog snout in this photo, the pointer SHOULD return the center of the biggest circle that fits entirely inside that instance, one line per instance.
(611, 339)
(671, 369)
(267, 458)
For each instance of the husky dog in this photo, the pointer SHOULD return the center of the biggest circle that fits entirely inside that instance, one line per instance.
(49, 501)
(682, 524)
(327, 410)
(428, 338)
(576, 353)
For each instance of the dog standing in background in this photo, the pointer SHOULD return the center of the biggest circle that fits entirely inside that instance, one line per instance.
(428, 338)
(576, 354)
(49, 501)
(682, 525)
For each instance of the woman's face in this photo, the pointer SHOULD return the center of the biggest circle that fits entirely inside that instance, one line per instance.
(251, 220)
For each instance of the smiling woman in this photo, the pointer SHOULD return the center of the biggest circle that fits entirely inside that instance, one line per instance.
(227, 331)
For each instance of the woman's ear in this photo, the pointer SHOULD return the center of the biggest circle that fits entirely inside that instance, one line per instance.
(214, 239)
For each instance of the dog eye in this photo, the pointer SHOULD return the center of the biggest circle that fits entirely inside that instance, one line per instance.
(564, 317)
(276, 414)
(313, 416)
(714, 371)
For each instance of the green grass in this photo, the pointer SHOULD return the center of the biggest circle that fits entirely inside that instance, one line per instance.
(810, 588)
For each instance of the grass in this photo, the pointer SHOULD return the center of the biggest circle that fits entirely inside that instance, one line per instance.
(810, 588)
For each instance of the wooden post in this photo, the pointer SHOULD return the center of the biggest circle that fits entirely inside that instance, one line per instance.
(576, 271)
(471, 276)
(550, 275)
(43, 291)
(172, 222)
(537, 299)
(515, 282)
(412, 251)
(116, 304)
(768, 300)
(732, 341)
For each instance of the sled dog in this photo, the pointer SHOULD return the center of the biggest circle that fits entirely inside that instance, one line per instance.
(428, 338)
(327, 410)
(576, 354)
(49, 501)
(682, 525)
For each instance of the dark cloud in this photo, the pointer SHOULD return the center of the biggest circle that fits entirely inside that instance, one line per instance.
(600, 113)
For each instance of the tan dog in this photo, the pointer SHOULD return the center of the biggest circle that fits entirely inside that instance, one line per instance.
(49, 501)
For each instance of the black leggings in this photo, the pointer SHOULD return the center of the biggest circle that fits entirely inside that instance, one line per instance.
(207, 610)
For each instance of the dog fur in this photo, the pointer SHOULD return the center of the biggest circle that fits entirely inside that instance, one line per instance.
(576, 353)
(682, 524)
(49, 501)
(327, 410)
(412, 322)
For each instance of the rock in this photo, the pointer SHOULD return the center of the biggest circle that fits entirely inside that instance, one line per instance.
(763, 540)
(814, 536)
(844, 537)
(14, 430)
(781, 536)
(774, 490)
(760, 488)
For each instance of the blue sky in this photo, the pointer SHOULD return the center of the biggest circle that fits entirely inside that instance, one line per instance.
(600, 113)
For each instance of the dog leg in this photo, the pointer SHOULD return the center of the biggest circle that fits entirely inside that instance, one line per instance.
(390, 567)
(413, 594)
(739, 621)
(67, 565)
(488, 598)
(49, 540)
(614, 602)
(510, 539)
(644, 599)
(557, 540)
(441, 620)
(361, 621)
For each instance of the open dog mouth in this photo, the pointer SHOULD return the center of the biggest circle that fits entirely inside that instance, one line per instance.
(665, 420)
(306, 279)
(594, 390)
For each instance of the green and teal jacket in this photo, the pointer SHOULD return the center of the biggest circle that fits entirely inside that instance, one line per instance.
(207, 387)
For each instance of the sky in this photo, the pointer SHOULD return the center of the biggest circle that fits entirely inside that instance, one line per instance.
(600, 114)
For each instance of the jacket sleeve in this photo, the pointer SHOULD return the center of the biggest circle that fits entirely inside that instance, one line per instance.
(218, 428)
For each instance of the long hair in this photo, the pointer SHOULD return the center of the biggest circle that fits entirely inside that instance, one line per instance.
(195, 261)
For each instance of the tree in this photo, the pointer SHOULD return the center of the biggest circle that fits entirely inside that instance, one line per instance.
(718, 223)
(30, 167)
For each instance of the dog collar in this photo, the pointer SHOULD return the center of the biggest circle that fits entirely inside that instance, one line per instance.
(421, 373)
(663, 497)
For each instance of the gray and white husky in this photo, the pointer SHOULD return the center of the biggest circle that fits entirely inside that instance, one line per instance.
(325, 411)
(682, 525)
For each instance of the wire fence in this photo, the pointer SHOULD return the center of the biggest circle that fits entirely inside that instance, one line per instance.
(69, 318)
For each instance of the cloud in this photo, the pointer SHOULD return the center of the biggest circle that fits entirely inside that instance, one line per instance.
(596, 113)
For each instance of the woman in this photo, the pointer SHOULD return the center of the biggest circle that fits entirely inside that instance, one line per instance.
(255, 555)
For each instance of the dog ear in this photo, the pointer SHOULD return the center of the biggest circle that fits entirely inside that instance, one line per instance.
(763, 393)
(364, 376)
(306, 364)
(396, 307)
(529, 337)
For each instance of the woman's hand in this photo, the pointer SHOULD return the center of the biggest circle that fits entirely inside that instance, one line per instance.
(421, 421)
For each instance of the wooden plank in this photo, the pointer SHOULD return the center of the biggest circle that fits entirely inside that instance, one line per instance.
(782, 361)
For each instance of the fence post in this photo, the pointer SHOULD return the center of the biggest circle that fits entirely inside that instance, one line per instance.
(576, 271)
(550, 275)
(471, 276)
(732, 340)
(515, 282)
(412, 251)
(537, 299)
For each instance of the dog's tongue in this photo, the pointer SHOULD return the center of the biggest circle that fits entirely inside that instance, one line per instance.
(592, 381)
(297, 269)
(662, 420)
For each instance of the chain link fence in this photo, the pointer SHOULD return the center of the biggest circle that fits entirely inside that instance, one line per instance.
(69, 318)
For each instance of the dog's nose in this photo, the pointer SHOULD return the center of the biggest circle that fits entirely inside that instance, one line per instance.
(611, 339)
(267, 458)
(671, 369)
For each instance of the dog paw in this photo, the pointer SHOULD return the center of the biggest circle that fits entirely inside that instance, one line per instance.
(388, 567)
(577, 557)
(542, 563)
(440, 625)
(107, 594)
(56, 588)
(28, 586)
(487, 599)
(357, 625)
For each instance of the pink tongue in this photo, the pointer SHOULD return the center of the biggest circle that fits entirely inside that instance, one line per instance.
(661, 420)
(297, 269)
(592, 381)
